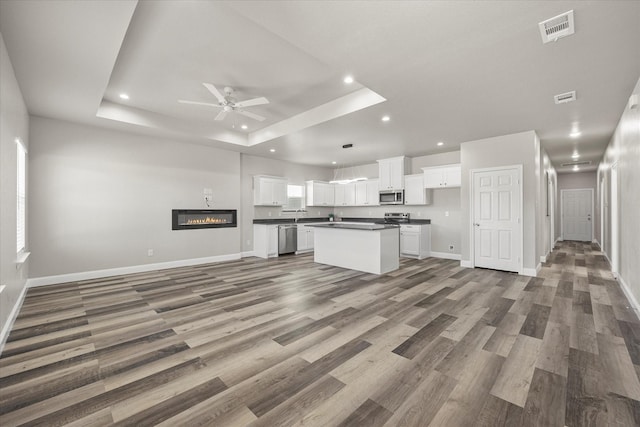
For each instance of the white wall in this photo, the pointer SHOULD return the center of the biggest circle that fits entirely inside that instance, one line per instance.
(444, 210)
(99, 199)
(296, 174)
(14, 123)
(573, 181)
(547, 206)
(624, 148)
(515, 149)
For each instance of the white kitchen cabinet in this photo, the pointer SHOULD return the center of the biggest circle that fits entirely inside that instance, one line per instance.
(414, 190)
(345, 194)
(442, 176)
(320, 193)
(367, 193)
(269, 191)
(305, 238)
(265, 240)
(392, 173)
(373, 192)
(415, 240)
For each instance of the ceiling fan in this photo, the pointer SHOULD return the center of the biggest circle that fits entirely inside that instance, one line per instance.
(228, 103)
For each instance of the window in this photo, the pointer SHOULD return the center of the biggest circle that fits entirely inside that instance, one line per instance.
(21, 211)
(295, 198)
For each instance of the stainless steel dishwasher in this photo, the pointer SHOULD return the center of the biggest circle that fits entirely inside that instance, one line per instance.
(287, 239)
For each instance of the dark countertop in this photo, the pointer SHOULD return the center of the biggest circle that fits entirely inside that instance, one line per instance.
(381, 220)
(288, 220)
(343, 226)
(269, 221)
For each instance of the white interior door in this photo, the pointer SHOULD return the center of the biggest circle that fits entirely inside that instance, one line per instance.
(496, 219)
(577, 206)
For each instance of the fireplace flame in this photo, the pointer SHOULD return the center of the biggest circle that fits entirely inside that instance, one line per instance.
(207, 220)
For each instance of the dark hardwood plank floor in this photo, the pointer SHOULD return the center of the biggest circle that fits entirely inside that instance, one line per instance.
(286, 342)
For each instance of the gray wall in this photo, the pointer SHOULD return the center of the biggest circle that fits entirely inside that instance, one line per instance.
(624, 148)
(14, 123)
(99, 199)
(515, 149)
(444, 210)
(572, 181)
(296, 174)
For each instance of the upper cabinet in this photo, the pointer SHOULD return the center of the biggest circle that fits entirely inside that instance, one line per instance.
(345, 194)
(269, 191)
(320, 193)
(414, 190)
(392, 173)
(367, 193)
(442, 176)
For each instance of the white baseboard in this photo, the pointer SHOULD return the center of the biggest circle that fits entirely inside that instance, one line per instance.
(627, 291)
(6, 328)
(532, 272)
(248, 254)
(466, 263)
(543, 258)
(97, 274)
(445, 255)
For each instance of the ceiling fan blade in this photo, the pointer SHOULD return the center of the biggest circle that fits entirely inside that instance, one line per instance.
(208, 104)
(253, 116)
(214, 91)
(221, 115)
(251, 102)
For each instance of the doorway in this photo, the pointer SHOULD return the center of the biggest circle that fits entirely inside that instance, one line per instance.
(577, 214)
(497, 210)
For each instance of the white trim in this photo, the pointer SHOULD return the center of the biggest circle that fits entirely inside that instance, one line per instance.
(445, 255)
(248, 254)
(543, 258)
(627, 291)
(466, 263)
(8, 324)
(531, 272)
(471, 213)
(593, 230)
(97, 274)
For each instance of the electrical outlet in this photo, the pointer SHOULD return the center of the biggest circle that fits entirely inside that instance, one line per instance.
(419, 213)
(248, 242)
(446, 213)
(149, 252)
(451, 248)
(269, 213)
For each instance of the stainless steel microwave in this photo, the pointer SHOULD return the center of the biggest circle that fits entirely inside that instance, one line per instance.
(394, 197)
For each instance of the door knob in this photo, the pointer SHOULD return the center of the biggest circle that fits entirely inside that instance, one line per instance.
(476, 224)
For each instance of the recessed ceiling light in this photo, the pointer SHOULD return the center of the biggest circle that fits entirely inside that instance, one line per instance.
(576, 168)
(124, 96)
(575, 134)
(334, 162)
(348, 80)
(386, 118)
(244, 127)
(575, 155)
(440, 144)
(273, 150)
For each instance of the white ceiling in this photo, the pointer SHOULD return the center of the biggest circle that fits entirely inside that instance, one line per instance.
(449, 71)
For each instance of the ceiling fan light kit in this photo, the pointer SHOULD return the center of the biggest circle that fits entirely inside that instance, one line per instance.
(229, 103)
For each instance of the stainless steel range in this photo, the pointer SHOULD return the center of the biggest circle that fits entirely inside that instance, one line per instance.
(396, 218)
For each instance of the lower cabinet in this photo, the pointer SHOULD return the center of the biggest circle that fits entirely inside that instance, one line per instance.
(305, 238)
(265, 240)
(415, 240)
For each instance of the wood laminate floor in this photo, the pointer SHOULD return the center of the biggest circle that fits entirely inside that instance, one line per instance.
(289, 342)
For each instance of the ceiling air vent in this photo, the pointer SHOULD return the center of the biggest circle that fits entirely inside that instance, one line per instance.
(577, 163)
(557, 27)
(563, 98)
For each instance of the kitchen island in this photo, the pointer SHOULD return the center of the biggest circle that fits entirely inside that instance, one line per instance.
(372, 248)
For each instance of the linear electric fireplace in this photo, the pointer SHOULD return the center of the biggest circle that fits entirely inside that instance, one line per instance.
(187, 219)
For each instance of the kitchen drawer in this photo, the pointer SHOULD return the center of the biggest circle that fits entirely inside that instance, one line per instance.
(408, 227)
